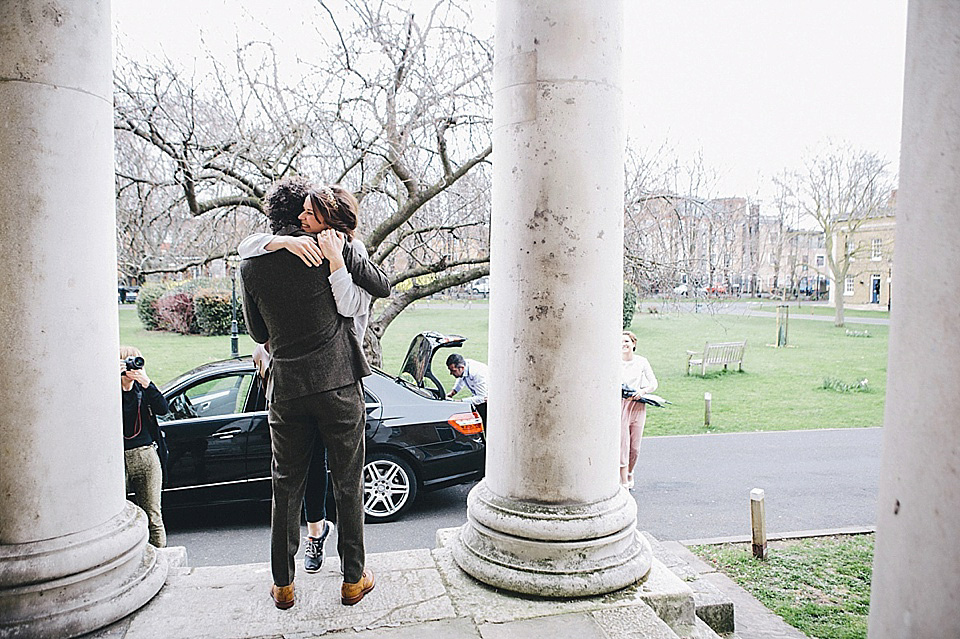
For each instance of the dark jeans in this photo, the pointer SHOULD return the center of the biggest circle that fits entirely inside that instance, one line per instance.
(338, 417)
(315, 495)
(482, 411)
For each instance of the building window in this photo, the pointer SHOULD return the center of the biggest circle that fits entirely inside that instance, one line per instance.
(851, 247)
(876, 249)
(820, 260)
(848, 285)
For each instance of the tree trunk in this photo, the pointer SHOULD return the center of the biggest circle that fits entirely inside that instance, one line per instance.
(372, 349)
(838, 308)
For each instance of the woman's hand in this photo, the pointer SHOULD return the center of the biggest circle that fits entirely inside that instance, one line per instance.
(331, 245)
(139, 375)
(304, 247)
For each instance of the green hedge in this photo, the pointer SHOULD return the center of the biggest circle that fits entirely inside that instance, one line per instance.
(629, 304)
(147, 305)
(214, 312)
(198, 306)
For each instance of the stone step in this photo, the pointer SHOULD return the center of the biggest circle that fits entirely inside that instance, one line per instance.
(711, 604)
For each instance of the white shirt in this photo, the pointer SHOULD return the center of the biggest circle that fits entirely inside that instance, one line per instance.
(352, 301)
(638, 374)
(475, 377)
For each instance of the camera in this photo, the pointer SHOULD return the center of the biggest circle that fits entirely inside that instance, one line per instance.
(134, 363)
(626, 392)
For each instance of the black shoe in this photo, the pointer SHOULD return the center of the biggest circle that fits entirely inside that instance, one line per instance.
(313, 557)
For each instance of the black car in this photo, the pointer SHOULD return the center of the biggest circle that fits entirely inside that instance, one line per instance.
(417, 440)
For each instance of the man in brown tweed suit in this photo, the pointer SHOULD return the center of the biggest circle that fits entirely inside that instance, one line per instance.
(317, 367)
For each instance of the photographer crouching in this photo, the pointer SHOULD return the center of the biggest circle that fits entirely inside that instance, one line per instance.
(144, 450)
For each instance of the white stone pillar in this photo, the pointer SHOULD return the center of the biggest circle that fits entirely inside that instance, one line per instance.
(916, 576)
(73, 553)
(550, 518)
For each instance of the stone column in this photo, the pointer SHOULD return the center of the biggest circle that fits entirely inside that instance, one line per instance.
(916, 577)
(73, 553)
(550, 518)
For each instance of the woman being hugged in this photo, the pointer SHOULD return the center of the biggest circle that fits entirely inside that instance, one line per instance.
(635, 373)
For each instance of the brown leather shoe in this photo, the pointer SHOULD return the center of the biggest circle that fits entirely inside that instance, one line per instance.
(282, 596)
(353, 593)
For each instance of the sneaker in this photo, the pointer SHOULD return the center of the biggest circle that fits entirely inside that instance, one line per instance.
(313, 556)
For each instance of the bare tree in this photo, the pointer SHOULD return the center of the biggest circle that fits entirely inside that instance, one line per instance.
(398, 109)
(842, 188)
(784, 247)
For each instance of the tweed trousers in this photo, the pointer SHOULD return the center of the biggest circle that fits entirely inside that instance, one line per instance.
(338, 417)
(145, 481)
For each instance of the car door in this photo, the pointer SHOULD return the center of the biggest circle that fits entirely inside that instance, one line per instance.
(258, 449)
(206, 431)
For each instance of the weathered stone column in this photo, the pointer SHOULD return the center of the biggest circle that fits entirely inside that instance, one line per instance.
(916, 577)
(73, 553)
(550, 518)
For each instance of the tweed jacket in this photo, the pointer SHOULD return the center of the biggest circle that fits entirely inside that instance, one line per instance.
(314, 348)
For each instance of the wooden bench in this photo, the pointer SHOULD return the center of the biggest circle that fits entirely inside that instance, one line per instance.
(724, 353)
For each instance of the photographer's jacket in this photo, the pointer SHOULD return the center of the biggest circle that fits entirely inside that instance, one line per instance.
(140, 409)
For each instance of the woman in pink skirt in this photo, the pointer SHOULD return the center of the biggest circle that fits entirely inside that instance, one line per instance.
(636, 373)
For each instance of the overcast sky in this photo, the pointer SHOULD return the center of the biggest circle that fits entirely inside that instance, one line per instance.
(753, 84)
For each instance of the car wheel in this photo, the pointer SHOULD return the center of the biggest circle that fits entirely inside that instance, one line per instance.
(389, 487)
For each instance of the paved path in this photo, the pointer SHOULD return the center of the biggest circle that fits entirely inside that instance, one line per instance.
(688, 487)
(698, 486)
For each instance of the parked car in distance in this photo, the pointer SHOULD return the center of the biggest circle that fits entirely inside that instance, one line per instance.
(680, 290)
(480, 286)
(127, 294)
(416, 439)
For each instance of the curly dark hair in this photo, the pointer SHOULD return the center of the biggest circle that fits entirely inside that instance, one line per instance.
(283, 202)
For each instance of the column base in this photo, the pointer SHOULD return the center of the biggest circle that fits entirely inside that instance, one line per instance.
(574, 550)
(71, 585)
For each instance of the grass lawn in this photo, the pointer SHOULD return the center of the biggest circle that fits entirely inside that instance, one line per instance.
(821, 586)
(780, 389)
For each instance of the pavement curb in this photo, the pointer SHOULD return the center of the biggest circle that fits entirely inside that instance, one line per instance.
(796, 534)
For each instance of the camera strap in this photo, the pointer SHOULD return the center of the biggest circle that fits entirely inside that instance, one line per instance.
(138, 425)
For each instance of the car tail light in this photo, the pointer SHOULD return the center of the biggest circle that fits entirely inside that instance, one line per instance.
(467, 423)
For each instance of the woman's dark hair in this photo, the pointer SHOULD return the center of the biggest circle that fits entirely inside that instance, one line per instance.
(340, 211)
(283, 202)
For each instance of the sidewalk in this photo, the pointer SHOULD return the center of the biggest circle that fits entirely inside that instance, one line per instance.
(423, 594)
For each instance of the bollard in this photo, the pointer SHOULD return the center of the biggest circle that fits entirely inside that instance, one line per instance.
(758, 524)
(706, 409)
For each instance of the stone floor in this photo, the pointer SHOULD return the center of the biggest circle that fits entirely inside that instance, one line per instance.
(423, 594)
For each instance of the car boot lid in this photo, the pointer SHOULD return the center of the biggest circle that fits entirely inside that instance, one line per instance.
(423, 347)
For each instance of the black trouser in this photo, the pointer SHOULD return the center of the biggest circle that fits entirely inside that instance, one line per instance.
(482, 411)
(315, 495)
(337, 416)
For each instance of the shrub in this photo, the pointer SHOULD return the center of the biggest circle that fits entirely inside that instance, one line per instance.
(629, 304)
(147, 305)
(175, 313)
(214, 312)
(832, 383)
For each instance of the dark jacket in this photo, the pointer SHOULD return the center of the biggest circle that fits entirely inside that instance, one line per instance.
(151, 403)
(314, 349)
